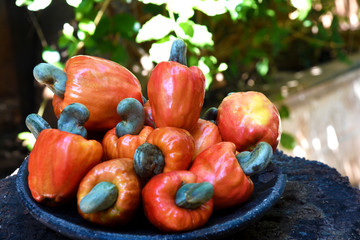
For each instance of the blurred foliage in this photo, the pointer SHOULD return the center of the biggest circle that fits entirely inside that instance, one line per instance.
(236, 43)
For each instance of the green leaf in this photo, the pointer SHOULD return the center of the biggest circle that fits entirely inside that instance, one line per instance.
(263, 66)
(232, 7)
(210, 8)
(63, 41)
(184, 9)
(74, 3)
(68, 30)
(103, 28)
(202, 37)
(105, 46)
(28, 139)
(87, 26)
(50, 55)
(125, 24)
(37, 5)
(287, 141)
(89, 42)
(71, 49)
(21, 3)
(304, 7)
(193, 49)
(156, 28)
(222, 67)
(161, 51)
(156, 2)
(284, 112)
(120, 55)
(193, 61)
(153, 9)
(205, 68)
(187, 27)
(84, 7)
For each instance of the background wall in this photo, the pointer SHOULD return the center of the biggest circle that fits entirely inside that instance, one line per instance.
(325, 116)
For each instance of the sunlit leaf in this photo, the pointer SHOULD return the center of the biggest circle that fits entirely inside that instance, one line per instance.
(87, 26)
(206, 70)
(28, 139)
(74, 3)
(270, 12)
(307, 23)
(184, 9)
(193, 49)
(68, 30)
(222, 67)
(211, 8)
(156, 28)
(50, 55)
(21, 3)
(81, 35)
(303, 6)
(240, 9)
(37, 5)
(193, 61)
(187, 27)
(156, 2)
(262, 67)
(231, 6)
(159, 52)
(202, 37)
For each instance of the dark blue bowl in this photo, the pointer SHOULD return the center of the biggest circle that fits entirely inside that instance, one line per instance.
(268, 187)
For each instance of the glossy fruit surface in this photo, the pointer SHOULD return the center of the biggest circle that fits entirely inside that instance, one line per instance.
(100, 85)
(247, 118)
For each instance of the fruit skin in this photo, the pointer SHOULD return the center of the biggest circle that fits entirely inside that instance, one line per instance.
(100, 85)
(159, 203)
(149, 120)
(177, 146)
(247, 118)
(58, 162)
(205, 134)
(125, 146)
(218, 165)
(119, 172)
(176, 93)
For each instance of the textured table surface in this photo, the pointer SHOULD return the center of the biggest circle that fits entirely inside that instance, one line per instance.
(318, 203)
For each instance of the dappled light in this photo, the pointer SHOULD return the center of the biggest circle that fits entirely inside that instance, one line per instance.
(356, 87)
(316, 144)
(51, 56)
(34, 5)
(348, 9)
(326, 19)
(316, 71)
(332, 139)
(299, 151)
(219, 77)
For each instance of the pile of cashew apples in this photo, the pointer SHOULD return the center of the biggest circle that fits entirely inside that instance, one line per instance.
(116, 152)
